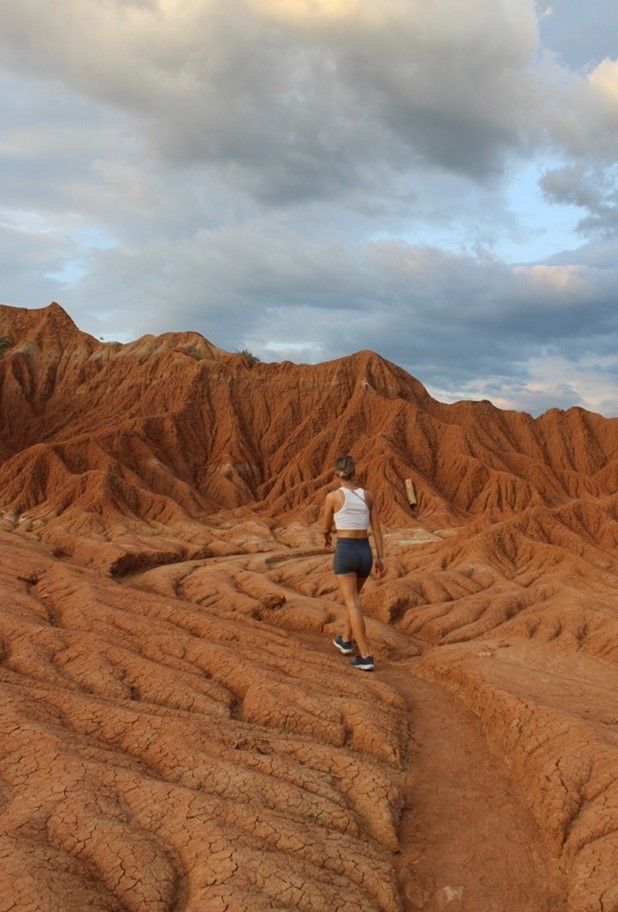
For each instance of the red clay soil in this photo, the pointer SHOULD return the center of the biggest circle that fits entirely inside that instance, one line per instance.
(176, 730)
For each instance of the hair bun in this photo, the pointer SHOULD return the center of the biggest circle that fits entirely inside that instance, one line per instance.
(345, 466)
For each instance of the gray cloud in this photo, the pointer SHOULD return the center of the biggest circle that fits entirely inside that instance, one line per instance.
(292, 101)
(295, 101)
(592, 189)
(581, 34)
(451, 319)
(580, 111)
(28, 258)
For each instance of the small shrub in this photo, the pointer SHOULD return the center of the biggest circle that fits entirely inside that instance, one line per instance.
(249, 356)
(5, 344)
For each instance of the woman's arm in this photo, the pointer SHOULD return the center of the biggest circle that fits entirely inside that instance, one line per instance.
(327, 523)
(377, 535)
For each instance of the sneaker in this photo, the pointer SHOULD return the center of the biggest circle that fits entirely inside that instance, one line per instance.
(346, 648)
(363, 663)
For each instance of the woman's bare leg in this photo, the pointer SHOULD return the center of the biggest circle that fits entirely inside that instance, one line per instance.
(348, 585)
(347, 635)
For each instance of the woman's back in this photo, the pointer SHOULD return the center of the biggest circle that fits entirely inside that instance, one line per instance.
(354, 514)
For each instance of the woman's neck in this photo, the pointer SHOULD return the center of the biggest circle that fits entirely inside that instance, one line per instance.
(348, 483)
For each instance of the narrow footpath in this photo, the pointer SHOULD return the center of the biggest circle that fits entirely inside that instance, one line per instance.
(468, 843)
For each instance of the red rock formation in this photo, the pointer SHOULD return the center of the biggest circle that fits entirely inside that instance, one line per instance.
(172, 429)
(174, 732)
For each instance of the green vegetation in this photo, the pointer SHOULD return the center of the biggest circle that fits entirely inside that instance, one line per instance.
(249, 356)
(5, 344)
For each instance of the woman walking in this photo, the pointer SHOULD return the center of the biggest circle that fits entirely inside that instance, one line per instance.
(353, 509)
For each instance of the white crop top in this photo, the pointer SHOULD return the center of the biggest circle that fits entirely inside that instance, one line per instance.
(354, 513)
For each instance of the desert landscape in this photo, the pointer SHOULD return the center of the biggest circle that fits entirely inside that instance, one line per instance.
(178, 733)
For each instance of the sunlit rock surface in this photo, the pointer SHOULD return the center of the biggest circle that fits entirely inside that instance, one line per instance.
(176, 731)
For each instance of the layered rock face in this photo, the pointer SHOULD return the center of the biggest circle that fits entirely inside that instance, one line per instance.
(176, 733)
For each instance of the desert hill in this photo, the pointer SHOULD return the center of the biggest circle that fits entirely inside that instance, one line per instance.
(176, 731)
(171, 429)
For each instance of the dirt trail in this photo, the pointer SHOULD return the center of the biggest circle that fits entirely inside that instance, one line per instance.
(467, 841)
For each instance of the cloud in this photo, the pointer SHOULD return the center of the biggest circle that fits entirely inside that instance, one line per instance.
(580, 34)
(553, 381)
(579, 111)
(306, 100)
(296, 100)
(29, 256)
(456, 321)
(593, 189)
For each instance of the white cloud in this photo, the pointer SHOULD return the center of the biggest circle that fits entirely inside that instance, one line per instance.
(558, 286)
(578, 111)
(604, 80)
(549, 381)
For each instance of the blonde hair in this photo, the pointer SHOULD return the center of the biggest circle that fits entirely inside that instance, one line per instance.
(345, 466)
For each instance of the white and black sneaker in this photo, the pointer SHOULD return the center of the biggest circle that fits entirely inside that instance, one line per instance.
(363, 663)
(343, 646)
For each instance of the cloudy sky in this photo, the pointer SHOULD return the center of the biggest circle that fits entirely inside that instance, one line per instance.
(436, 181)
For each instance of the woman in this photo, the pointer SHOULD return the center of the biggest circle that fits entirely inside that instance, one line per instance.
(353, 509)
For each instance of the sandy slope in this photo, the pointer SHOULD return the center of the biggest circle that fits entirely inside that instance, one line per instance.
(177, 732)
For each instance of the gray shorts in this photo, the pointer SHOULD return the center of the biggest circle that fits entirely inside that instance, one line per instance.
(353, 555)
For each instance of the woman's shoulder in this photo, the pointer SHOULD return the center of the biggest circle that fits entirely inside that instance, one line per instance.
(368, 496)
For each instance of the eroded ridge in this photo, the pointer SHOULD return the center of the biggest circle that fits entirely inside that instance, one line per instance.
(521, 626)
(157, 757)
(100, 439)
(514, 626)
(553, 723)
(163, 567)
